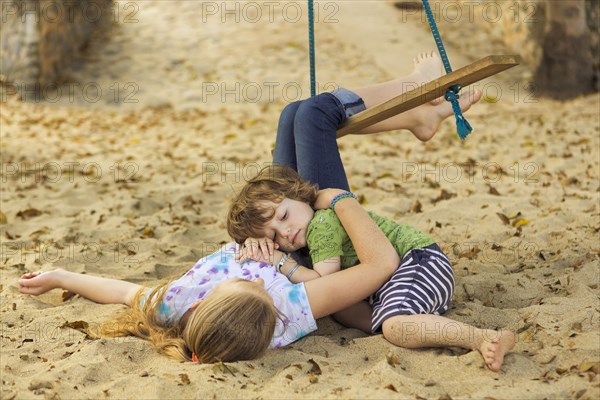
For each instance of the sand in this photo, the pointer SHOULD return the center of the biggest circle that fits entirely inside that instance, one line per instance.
(139, 191)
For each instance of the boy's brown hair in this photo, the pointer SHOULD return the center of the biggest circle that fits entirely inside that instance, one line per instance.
(248, 214)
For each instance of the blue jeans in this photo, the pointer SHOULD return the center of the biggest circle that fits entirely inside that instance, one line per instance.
(306, 137)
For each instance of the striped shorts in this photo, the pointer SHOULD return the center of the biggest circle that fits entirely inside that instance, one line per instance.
(423, 284)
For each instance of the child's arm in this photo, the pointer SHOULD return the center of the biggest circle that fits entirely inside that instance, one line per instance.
(327, 267)
(378, 260)
(261, 250)
(100, 290)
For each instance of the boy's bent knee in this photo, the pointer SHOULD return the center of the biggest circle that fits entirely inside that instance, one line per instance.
(320, 109)
(289, 111)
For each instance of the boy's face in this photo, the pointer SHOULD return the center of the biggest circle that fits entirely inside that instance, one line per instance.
(288, 226)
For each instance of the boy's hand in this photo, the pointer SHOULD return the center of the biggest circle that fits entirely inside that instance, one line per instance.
(39, 282)
(257, 249)
(324, 198)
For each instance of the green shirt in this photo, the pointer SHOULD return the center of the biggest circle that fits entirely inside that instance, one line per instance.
(327, 238)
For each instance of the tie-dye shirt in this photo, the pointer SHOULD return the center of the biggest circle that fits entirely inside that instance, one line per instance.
(289, 298)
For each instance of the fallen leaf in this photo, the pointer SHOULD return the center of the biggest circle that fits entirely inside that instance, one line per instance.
(37, 384)
(315, 369)
(392, 359)
(520, 222)
(587, 366)
(549, 360)
(222, 368)
(42, 231)
(408, 5)
(185, 379)
(505, 220)
(80, 326)
(492, 190)
(577, 327)
(29, 213)
(391, 387)
(471, 253)
(417, 207)
(444, 195)
(67, 295)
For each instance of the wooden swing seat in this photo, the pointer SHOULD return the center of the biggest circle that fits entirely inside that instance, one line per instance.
(464, 76)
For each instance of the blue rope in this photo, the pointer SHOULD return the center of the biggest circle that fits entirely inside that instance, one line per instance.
(452, 94)
(311, 48)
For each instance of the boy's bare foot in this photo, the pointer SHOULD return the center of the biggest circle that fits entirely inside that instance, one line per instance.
(428, 117)
(494, 346)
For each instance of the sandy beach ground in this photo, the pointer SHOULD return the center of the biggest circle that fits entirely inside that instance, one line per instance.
(134, 182)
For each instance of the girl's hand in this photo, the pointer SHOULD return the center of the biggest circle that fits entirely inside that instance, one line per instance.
(39, 282)
(257, 249)
(324, 198)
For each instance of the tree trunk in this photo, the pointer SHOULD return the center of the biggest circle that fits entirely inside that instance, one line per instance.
(566, 68)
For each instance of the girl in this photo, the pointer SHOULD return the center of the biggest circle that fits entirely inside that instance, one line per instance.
(223, 311)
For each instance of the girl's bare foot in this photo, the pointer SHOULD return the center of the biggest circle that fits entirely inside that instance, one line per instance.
(422, 121)
(428, 117)
(494, 346)
(427, 67)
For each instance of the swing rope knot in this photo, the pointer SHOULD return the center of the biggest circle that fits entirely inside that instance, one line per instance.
(462, 125)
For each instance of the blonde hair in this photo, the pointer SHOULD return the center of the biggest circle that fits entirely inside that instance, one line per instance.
(248, 214)
(230, 327)
(223, 327)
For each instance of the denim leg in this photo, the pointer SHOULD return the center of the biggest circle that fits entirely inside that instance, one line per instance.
(351, 102)
(317, 154)
(306, 137)
(285, 147)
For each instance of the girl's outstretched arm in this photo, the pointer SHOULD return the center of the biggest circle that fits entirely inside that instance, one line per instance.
(378, 260)
(100, 290)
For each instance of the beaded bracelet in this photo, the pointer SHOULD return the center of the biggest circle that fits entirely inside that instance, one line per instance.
(282, 261)
(340, 196)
